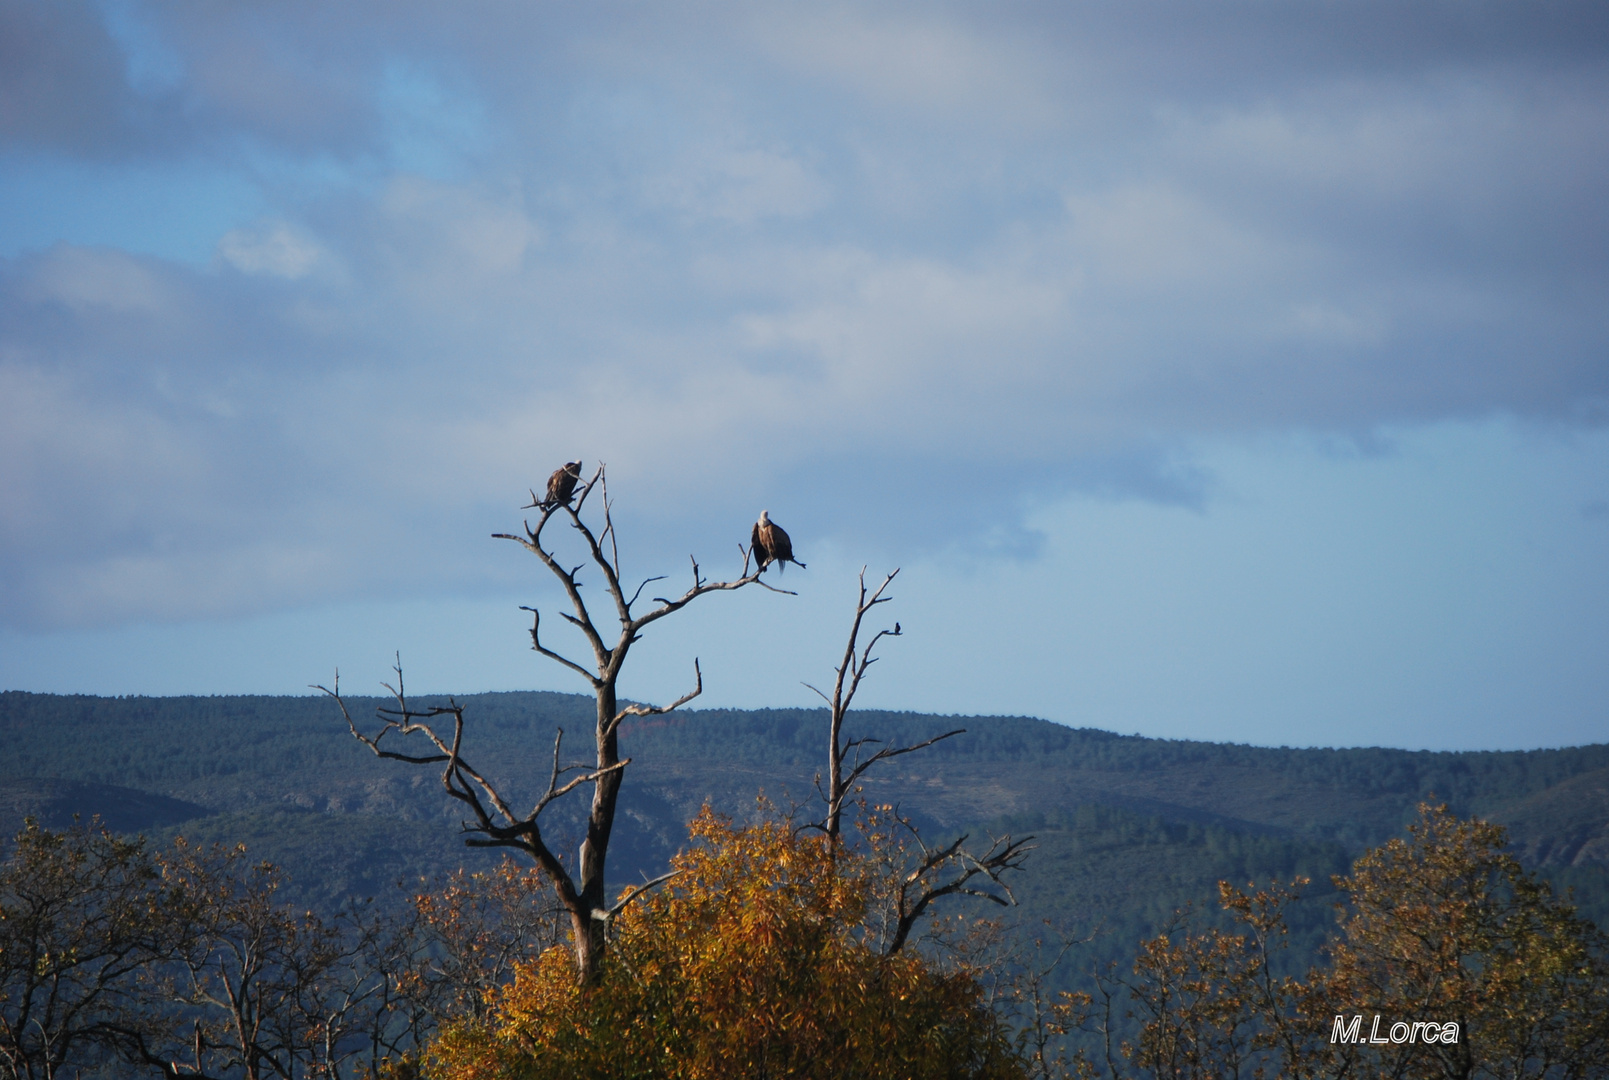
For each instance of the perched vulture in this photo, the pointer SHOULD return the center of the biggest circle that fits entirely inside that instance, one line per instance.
(771, 544)
(562, 484)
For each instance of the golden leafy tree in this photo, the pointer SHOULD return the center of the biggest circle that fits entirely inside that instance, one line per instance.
(757, 960)
(1210, 1004)
(1452, 962)
(470, 933)
(1447, 927)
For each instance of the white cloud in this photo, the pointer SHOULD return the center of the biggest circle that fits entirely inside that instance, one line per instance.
(272, 248)
(83, 473)
(921, 344)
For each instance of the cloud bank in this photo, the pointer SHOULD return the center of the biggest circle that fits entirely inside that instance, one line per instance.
(897, 272)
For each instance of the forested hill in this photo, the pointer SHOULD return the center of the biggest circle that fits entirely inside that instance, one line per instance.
(1124, 821)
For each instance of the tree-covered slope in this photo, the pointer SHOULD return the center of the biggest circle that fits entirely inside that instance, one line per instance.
(1128, 827)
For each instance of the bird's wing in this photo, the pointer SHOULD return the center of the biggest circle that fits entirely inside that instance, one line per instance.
(781, 543)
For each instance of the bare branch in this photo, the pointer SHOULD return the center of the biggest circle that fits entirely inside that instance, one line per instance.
(609, 523)
(582, 618)
(852, 668)
(951, 871)
(947, 870)
(491, 813)
(536, 644)
(609, 568)
(633, 893)
(659, 710)
(644, 585)
(575, 782)
(700, 588)
(891, 752)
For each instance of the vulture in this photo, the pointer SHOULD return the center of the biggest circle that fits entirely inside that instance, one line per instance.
(562, 484)
(771, 544)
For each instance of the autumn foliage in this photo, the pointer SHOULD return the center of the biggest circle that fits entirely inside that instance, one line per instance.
(1442, 927)
(1445, 925)
(766, 955)
(757, 960)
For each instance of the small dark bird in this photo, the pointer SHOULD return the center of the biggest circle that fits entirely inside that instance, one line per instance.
(561, 485)
(771, 544)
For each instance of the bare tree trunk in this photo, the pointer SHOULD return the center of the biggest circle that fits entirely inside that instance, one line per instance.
(600, 827)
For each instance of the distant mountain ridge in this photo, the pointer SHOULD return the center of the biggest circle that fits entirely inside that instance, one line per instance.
(1126, 824)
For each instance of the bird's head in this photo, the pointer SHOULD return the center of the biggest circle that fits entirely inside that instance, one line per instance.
(573, 467)
(765, 517)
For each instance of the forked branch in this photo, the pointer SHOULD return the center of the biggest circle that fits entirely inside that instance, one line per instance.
(537, 646)
(659, 710)
(490, 814)
(951, 870)
(846, 682)
(860, 765)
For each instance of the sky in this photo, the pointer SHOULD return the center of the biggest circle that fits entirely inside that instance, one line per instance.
(1235, 372)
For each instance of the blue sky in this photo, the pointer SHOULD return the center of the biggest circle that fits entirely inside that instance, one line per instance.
(1230, 372)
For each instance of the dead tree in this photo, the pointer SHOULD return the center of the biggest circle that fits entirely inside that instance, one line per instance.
(494, 821)
(929, 873)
